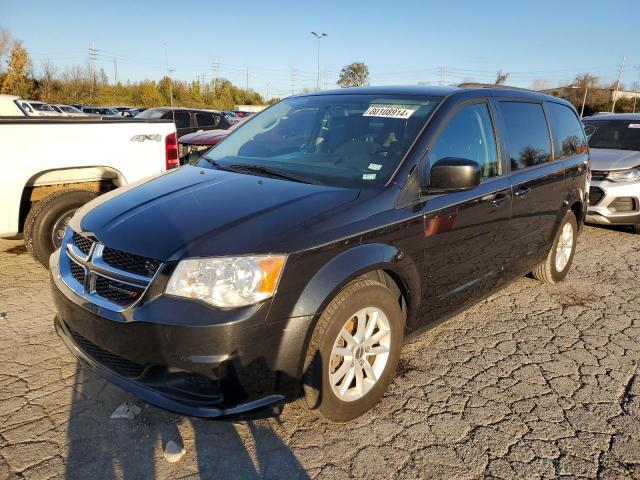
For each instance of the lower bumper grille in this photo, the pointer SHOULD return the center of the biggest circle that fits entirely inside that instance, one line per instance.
(113, 362)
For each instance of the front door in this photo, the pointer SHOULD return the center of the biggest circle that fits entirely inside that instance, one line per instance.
(463, 231)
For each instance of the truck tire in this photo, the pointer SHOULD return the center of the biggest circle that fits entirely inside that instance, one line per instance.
(556, 266)
(353, 352)
(47, 219)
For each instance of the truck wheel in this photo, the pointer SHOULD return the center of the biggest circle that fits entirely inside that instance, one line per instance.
(47, 219)
(353, 352)
(556, 266)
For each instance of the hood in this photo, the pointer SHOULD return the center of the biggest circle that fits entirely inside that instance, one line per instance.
(208, 137)
(609, 159)
(195, 212)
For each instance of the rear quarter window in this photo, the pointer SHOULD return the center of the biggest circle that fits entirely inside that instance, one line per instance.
(526, 133)
(568, 135)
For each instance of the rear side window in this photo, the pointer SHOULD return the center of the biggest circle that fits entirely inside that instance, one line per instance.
(527, 135)
(568, 136)
(182, 119)
(469, 134)
(205, 120)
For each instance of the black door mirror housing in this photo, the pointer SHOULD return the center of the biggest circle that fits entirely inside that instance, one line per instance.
(452, 174)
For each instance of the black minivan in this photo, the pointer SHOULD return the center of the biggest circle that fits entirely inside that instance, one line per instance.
(294, 257)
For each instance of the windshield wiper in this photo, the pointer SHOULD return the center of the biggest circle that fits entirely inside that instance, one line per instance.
(269, 171)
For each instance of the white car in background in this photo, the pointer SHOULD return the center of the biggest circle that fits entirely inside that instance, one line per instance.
(68, 111)
(33, 108)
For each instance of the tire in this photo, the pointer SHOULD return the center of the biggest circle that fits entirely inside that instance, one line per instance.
(49, 214)
(359, 296)
(549, 271)
(636, 228)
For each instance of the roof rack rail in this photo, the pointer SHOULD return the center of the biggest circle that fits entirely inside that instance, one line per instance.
(492, 85)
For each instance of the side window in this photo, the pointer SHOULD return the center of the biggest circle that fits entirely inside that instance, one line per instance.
(182, 119)
(568, 136)
(205, 120)
(527, 134)
(469, 134)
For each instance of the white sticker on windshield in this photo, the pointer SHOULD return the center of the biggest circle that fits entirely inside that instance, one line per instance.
(375, 166)
(368, 176)
(634, 125)
(389, 111)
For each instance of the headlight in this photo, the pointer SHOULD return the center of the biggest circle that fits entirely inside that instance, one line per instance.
(630, 175)
(227, 282)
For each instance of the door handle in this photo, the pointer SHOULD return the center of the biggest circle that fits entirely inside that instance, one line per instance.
(522, 192)
(499, 199)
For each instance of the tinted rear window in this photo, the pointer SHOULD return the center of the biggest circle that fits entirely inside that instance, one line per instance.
(568, 136)
(205, 120)
(526, 134)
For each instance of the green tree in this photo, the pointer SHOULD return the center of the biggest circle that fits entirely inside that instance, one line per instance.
(16, 81)
(354, 75)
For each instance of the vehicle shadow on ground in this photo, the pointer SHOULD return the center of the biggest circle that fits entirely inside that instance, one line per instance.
(110, 448)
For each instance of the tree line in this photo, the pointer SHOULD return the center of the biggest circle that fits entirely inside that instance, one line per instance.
(82, 84)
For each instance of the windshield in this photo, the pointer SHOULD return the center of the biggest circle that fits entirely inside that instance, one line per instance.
(354, 141)
(614, 134)
(68, 109)
(42, 107)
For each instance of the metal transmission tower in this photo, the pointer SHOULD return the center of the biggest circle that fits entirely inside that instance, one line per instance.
(319, 36)
(215, 67)
(92, 65)
(293, 79)
(441, 81)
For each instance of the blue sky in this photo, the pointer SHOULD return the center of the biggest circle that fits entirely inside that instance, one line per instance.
(402, 42)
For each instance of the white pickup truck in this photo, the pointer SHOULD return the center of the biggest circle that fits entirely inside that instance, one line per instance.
(49, 167)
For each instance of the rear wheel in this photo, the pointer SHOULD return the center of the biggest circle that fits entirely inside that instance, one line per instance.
(47, 220)
(354, 351)
(556, 266)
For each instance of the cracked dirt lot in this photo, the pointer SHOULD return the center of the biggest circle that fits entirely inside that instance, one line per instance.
(536, 381)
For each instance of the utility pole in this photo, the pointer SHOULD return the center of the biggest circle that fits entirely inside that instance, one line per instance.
(637, 90)
(584, 100)
(441, 81)
(293, 79)
(169, 72)
(615, 95)
(326, 79)
(247, 77)
(115, 71)
(92, 67)
(319, 36)
(268, 86)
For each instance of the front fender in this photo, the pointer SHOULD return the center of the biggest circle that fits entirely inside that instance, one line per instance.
(328, 281)
(352, 263)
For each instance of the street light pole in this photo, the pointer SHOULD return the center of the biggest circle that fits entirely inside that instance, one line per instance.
(319, 36)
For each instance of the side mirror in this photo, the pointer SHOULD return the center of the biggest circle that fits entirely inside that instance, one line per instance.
(452, 174)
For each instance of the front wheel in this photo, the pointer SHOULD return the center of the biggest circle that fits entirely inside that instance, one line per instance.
(556, 266)
(354, 351)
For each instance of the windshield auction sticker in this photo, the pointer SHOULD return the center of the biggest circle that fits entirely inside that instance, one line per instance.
(389, 111)
(634, 125)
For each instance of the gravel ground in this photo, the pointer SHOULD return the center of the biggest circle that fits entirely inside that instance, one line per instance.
(536, 381)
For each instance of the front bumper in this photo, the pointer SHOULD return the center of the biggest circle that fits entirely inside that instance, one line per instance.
(603, 196)
(190, 366)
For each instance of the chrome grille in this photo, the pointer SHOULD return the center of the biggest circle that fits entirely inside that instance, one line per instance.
(106, 277)
(130, 262)
(117, 292)
(83, 243)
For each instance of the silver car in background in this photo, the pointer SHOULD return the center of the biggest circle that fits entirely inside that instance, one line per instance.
(614, 196)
